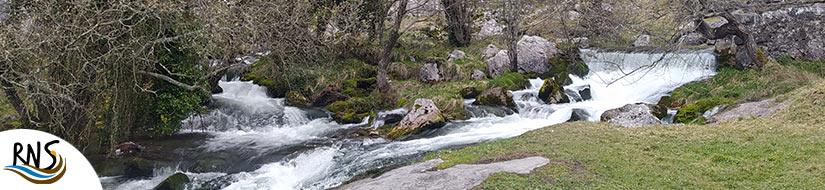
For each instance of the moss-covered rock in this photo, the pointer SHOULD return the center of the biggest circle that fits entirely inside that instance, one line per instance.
(552, 93)
(260, 75)
(692, 113)
(496, 96)
(137, 167)
(510, 81)
(423, 115)
(295, 98)
(352, 110)
(565, 63)
(177, 181)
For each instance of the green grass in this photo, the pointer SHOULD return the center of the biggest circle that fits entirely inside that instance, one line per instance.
(736, 86)
(782, 151)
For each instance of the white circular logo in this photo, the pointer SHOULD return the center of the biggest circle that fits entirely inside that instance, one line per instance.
(37, 160)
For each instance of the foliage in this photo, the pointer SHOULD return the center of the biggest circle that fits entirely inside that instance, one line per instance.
(692, 113)
(173, 104)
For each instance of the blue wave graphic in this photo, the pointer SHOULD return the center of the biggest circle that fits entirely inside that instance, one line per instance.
(29, 171)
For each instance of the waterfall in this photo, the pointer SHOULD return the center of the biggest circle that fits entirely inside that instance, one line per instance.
(259, 126)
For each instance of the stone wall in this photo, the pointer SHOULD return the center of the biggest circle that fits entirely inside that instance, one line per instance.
(792, 28)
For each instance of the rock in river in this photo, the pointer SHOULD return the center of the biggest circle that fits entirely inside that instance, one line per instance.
(423, 115)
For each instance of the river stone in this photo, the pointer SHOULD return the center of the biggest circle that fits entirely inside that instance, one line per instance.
(456, 55)
(579, 115)
(499, 64)
(459, 177)
(635, 115)
(429, 73)
(478, 75)
(423, 115)
(490, 51)
(552, 93)
(533, 53)
(176, 181)
(496, 96)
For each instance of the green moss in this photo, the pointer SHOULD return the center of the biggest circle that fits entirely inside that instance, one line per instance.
(693, 113)
(510, 81)
(177, 181)
(360, 87)
(296, 98)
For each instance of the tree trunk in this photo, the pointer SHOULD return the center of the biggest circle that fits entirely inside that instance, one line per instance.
(512, 18)
(459, 21)
(383, 84)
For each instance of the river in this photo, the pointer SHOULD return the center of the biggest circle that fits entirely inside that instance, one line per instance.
(252, 141)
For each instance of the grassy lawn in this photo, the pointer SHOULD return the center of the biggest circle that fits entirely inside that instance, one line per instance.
(783, 151)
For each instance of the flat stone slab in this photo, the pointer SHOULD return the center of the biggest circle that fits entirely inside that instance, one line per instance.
(462, 176)
(748, 110)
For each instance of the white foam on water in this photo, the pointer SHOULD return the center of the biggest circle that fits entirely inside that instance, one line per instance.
(616, 79)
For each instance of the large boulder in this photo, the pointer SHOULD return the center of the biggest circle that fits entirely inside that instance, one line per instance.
(429, 73)
(496, 96)
(693, 39)
(456, 55)
(635, 115)
(498, 64)
(423, 115)
(490, 51)
(176, 181)
(552, 93)
(533, 53)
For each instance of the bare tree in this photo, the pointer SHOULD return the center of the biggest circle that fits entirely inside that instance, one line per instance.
(388, 44)
(459, 20)
(512, 15)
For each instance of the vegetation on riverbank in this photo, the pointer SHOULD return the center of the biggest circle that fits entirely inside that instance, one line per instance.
(737, 86)
(782, 151)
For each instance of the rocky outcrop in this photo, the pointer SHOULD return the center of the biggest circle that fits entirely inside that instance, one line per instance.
(498, 64)
(456, 55)
(423, 115)
(490, 51)
(552, 93)
(176, 181)
(496, 96)
(776, 29)
(793, 29)
(635, 115)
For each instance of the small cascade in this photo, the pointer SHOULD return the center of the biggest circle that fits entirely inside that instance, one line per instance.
(281, 147)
